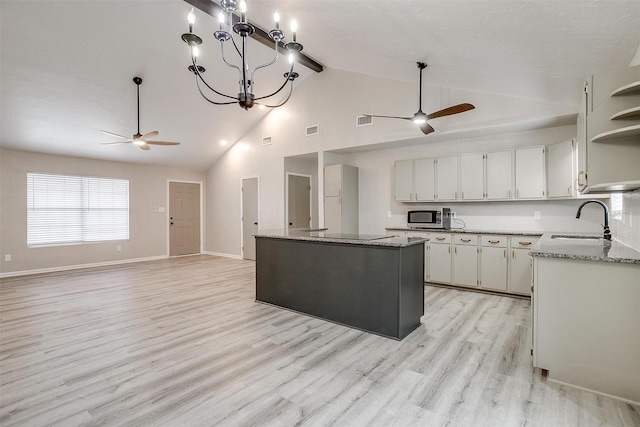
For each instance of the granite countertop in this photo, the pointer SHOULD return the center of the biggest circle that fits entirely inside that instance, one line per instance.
(345, 239)
(584, 249)
(460, 230)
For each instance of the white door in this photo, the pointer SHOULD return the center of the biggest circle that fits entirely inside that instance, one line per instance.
(440, 263)
(403, 171)
(447, 178)
(560, 169)
(493, 268)
(465, 265)
(184, 218)
(530, 173)
(249, 217)
(298, 201)
(424, 179)
(520, 278)
(333, 214)
(499, 175)
(472, 177)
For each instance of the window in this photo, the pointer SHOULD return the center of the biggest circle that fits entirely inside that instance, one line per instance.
(65, 209)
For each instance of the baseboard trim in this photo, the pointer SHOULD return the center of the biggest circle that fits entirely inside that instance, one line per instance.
(612, 396)
(78, 266)
(223, 255)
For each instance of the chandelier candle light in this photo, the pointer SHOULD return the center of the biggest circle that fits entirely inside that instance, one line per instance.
(245, 97)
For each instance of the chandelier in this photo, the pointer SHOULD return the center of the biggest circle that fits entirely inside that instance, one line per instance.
(242, 28)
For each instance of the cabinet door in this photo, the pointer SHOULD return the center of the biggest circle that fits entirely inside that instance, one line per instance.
(424, 171)
(333, 214)
(447, 178)
(403, 170)
(493, 268)
(530, 173)
(465, 265)
(520, 277)
(560, 165)
(472, 177)
(440, 263)
(333, 181)
(499, 175)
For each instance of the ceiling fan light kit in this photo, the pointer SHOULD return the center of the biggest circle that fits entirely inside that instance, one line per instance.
(420, 118)
(142, 141)
(245, 97)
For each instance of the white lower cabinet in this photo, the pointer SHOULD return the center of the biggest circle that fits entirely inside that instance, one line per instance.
(440, 258)
(465, 260)
(520, 264)
(493, 263)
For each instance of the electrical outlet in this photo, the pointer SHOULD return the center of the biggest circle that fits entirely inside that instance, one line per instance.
(118, 248)
(536, 214)
(7, 257)
(388, 214)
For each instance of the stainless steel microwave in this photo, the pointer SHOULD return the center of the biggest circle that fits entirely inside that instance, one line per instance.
(433, 218)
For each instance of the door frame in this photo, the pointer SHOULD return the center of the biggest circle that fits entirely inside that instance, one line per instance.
(286, 198)
(201, 186)
(242, 211)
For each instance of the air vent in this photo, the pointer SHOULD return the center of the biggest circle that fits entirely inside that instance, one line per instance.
(266, 140)
(364, 120)
(313, 130)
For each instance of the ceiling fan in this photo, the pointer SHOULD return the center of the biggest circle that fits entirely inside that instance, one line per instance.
(138, 139)
(420, 118)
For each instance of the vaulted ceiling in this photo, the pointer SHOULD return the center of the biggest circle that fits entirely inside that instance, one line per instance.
(67, 66)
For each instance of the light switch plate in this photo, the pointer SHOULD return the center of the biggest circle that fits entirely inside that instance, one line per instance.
(7, 257)
(536, 214)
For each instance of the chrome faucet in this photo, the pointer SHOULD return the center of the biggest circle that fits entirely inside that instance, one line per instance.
(607, 232)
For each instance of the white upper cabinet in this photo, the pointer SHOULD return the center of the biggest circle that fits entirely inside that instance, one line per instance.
(424, 179)
(333, 181)
(560, 169)
(403, 170)
(447, 178)
(499, 172)
(530, 176)
(472, 177)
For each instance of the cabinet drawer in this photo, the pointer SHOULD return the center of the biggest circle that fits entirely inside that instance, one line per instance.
(419, 234)
(465, 239)
(497, 241)
(440, 238)
(523, 242)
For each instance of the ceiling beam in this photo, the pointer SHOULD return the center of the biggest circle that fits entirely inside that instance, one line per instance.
(213, 9)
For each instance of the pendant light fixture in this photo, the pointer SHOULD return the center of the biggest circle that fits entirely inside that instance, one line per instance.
(245, 97)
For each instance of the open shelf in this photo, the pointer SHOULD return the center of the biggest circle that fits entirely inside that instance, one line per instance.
(624, 132)
(631, 113)
(630, 89)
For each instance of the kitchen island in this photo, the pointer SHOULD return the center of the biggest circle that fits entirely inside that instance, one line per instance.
(369, 282)
(586, 317)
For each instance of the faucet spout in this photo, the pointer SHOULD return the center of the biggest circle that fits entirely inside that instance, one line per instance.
(607, 232)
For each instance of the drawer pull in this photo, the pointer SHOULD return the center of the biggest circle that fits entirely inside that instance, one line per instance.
(440, 238)
(525, 243)
(465, 240)
(494, 241)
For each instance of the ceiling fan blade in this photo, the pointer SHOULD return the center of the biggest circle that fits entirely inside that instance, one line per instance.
(116, 142)
(162, 143)
(144, 147)
(455, 109)
(389, 117)
(426, 128)
(149, 135)
(116, 135)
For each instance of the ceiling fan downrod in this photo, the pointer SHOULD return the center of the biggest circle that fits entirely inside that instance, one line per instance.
(245, 97)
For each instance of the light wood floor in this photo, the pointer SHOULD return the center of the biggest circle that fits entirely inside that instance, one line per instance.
(181, 342)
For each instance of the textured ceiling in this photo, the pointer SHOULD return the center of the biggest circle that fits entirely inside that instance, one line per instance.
(66, 66)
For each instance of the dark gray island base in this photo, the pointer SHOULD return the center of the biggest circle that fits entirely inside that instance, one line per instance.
(372, 283)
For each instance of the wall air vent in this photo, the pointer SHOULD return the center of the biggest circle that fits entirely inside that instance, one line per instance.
(364, 120)
(313, 130)
(266, 140)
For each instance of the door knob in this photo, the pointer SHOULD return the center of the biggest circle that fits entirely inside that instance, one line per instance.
(255, 223)
(290, 223)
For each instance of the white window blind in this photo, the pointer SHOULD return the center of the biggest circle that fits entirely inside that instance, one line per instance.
(65, 209)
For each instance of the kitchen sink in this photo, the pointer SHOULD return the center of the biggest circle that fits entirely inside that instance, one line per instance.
(570, 237)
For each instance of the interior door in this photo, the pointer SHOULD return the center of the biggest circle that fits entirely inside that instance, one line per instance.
(249, 217)
(298, 201)
(184, 218)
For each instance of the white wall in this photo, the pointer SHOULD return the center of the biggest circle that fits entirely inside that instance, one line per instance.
(147, 230)
(332, 100)
(627, 228)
